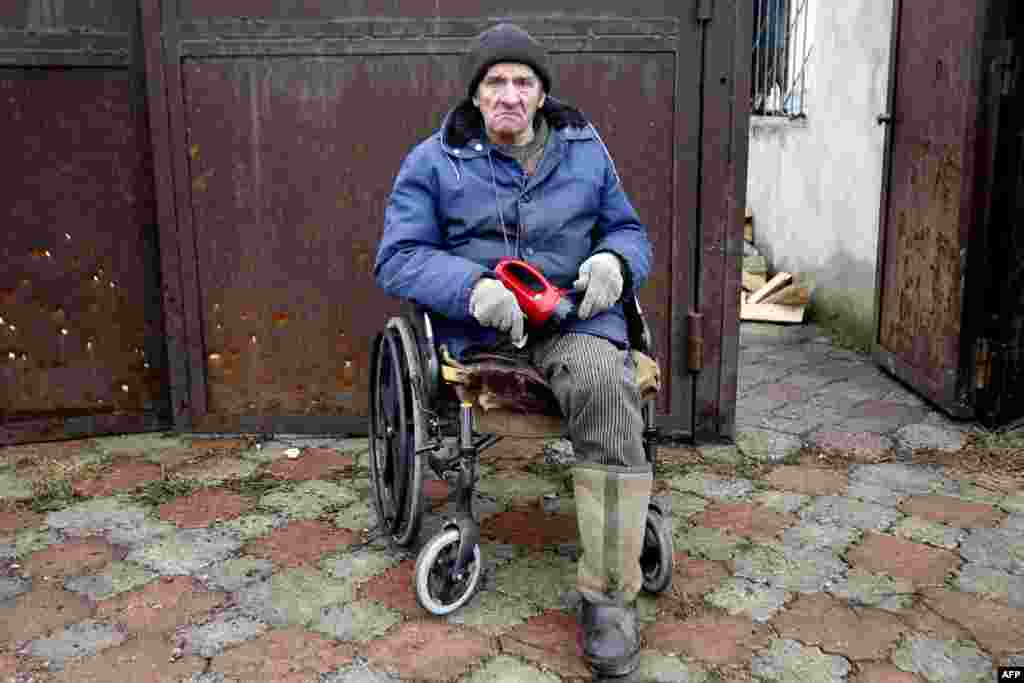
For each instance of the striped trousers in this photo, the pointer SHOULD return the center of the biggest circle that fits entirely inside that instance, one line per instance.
(594, 383)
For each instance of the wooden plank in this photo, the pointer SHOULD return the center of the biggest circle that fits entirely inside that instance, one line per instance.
(792, 295)
(753, 282)
(773, 313)
(775, 284)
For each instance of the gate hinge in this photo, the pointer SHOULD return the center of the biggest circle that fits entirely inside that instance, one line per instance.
(982, 363)
(695, 341)
(1005, 66)
(705, 10)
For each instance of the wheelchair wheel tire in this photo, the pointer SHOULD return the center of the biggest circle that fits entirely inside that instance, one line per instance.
(435, 590)
(395, 471)
(656, 558)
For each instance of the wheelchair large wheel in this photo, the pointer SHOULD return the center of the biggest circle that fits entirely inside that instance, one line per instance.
(395, 432)
(436, 590)
(656, 558)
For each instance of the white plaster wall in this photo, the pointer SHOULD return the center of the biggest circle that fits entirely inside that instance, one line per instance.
(814, 185)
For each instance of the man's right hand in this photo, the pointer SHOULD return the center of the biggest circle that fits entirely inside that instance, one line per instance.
(494, 305)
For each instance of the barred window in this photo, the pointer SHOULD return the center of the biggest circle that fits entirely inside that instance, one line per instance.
(782, 50)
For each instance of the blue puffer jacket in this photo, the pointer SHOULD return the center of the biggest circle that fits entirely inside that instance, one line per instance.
(443, 223)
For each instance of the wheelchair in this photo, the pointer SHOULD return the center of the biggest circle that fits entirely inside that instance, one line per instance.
(429, 410)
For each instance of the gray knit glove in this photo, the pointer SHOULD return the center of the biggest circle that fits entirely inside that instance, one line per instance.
(601, 277)
(494, 305)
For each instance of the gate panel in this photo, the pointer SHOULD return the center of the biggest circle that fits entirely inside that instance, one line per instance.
(287, 123)
(929, 208)
(81, 349)
(284, 327)
(291, 164)
(715, 275)
(393, 12)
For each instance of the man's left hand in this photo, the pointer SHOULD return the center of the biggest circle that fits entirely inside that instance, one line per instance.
(601, 277)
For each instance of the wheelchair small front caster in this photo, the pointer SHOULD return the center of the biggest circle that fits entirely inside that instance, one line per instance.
(656, 558)
(436, 590)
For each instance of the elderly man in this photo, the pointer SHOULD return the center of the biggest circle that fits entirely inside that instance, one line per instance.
(513, 172)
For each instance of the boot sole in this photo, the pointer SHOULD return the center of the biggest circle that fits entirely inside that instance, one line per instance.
(615, 669)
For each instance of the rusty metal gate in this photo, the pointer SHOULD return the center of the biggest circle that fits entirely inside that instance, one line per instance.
(949, 275)
(81, 344)
(279, 127)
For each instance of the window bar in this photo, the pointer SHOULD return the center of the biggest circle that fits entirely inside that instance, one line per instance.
(788, 90)
(776, 54)
(766, 54)
(804, 49)
(782, 40)
(780, 25)
(770, 72)
(792, 50)
(758, 59)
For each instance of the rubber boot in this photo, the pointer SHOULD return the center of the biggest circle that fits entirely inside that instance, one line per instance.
(611, 504)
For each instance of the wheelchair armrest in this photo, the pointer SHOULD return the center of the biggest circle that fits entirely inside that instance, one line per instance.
(636, 326)
(420, 319)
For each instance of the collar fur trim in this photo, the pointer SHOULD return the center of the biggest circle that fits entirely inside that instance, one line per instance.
(465, 122)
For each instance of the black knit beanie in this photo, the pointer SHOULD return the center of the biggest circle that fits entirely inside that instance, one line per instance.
(506, 43)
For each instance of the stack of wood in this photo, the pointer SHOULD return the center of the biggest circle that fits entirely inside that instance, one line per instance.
(778, 299)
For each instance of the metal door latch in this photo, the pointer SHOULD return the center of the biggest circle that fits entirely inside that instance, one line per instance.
(1005, 68)
(982, 363)
(695, 341)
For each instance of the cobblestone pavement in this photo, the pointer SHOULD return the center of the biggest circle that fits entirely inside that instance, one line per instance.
(817, 548)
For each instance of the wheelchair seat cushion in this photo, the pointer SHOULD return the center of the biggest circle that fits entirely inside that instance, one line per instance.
(508, 381)
(498, 379)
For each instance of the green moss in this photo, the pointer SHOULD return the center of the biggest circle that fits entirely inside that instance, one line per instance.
(162, 491)
(847, 316)
(56, 495)
(256, 485)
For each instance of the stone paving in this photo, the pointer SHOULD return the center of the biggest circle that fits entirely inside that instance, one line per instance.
(815, 549)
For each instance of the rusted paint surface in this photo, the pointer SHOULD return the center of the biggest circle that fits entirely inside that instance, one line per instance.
(286, 135)
(80, 333)
(291, 163)
(416, 9)
(722, 199)
(739, 84)
(288, 207)
(930, 203)
(47, 15)
(67, 32)
(172, 297)
(629, 99)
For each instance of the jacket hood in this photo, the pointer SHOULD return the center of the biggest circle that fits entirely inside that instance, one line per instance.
(464, 124)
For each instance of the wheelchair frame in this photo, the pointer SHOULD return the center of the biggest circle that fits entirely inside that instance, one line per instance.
(406, 374)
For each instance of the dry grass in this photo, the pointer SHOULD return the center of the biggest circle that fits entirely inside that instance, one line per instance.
(991, 461)
(814, 456)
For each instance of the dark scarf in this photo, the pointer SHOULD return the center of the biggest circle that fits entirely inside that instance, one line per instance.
(530, 154)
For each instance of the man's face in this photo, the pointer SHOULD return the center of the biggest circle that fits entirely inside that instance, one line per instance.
(508, 97)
